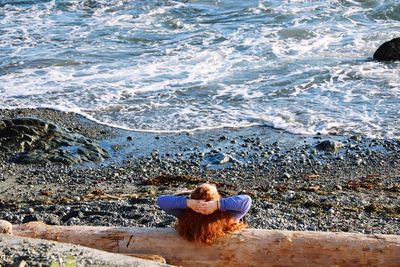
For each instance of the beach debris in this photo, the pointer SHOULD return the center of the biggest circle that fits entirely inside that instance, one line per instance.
(31, 140)
(99, 194)
(329, 146)
(314, 188)
(371, 181)
(312, 176)
(388, 51)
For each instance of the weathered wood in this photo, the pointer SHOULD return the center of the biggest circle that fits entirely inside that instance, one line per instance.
(156, 258)
(250, 247)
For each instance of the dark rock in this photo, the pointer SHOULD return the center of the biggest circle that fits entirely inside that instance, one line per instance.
(356, 138)
(223, 138)
(388, 51)
(329, 146)
(30, 218)
(31, 140)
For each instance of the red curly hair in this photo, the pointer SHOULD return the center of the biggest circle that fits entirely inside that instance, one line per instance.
(202, 228)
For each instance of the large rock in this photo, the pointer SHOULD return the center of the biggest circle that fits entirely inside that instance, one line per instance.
(32, 140)
(389, 50)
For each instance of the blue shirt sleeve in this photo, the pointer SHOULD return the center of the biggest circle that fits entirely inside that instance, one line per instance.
(174, 205)
(238, 205)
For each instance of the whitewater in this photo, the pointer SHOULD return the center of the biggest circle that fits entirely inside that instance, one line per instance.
(304, 67)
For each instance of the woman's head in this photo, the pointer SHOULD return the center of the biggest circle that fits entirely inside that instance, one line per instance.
(205, 192)
(206, 228)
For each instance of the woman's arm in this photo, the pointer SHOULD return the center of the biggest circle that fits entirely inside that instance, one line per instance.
(174, 205)
(238, 205)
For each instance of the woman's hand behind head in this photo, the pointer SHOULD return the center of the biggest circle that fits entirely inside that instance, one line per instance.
(202, 206)
(208, 207)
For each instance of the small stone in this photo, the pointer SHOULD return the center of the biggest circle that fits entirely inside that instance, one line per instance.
(331, 211)
(289, 194)
(329, 146)
(223, 138)
(29, 210)
(217, 158)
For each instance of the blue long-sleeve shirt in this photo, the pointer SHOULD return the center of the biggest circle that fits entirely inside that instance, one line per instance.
(238, 205)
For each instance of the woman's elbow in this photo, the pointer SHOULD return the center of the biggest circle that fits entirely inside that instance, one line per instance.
(160, 201)
(247, 201)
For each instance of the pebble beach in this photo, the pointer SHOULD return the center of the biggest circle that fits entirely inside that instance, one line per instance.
(311, 183)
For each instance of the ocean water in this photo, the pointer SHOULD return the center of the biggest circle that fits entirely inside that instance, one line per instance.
(160, 65)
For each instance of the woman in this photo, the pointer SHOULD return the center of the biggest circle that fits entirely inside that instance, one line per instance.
(206, 216)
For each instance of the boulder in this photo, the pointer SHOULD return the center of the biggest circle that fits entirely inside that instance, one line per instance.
(388, 51)
(31, 140)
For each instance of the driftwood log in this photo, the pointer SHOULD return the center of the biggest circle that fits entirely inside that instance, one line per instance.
(250, 247)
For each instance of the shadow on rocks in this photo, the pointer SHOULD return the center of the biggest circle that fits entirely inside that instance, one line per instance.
(31, 140)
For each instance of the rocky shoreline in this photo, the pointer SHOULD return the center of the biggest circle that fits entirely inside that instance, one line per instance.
(314, 183)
